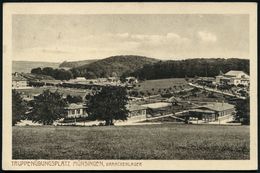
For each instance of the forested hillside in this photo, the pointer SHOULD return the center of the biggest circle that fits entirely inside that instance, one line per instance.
(190, 68)
(148, 68)
(112, 66)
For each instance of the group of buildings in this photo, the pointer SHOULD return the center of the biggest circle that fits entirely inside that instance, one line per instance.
(208, 112)
(19, 81)
(233, 78)
(230, 78)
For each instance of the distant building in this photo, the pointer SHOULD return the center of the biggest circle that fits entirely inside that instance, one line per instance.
(212, 111)
(131, 80)
(174, 100)
(113, 79)
(136, 112)
(80, 79)
(76, 111)
(18, 81)
(157, 105)
(205, 80)
(158, 108)
(29, 96)
(233, 78)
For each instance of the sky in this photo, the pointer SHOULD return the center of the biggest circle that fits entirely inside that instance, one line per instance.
(58, 38)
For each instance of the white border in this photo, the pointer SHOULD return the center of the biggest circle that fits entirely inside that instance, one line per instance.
(132, 8)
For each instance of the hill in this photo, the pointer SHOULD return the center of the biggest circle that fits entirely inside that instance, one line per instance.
(26, 66)
(190, 68)
(73, 64)
(112, 66)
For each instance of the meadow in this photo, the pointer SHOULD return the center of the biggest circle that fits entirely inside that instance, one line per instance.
(161, 85)
(64, 91)
(162, 141)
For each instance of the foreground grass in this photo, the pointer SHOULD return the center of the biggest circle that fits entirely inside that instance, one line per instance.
(166, 141)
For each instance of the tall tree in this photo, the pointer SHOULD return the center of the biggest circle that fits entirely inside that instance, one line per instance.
(243, 111)
(36, 70)
(73, 99)
(108, 105)
(19, 107)
(48, 107)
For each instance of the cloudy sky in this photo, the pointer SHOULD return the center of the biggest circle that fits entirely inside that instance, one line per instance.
(165, 36)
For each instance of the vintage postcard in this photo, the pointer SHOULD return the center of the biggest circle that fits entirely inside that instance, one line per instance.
(129, 86)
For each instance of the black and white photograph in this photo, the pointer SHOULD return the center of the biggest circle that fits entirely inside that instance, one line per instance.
(119, 88)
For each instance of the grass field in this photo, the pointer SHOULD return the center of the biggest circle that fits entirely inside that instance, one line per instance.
(64, 91)
(160, 85)
(166, 141)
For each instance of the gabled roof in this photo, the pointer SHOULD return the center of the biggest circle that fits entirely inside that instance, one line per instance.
(173, 99)
(202, 111)
(216, 106)
(134, 107)
(157, 105)
(234, 73)
(76, 106)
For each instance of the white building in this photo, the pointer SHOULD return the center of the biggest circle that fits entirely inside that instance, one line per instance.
(213, 112)
(136, 112)
(76, 111)
(80, 79)
(233, 78)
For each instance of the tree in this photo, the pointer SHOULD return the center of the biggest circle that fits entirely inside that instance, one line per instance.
(243, 111)
(90, 75)
(48, 107)
(36, 70)
(62, 74)
(73, 99)
(141, 93)
(19, 107)
(108, 104)
(47, 71)
(122, 79)
(114, 74)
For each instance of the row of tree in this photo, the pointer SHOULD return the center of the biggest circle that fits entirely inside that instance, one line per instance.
(106, 104)
(58, 74)
(190, 68)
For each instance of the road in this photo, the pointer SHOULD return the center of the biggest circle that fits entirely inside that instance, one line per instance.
(216, 91)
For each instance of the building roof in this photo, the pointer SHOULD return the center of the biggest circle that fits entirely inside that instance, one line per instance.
(217, 106)
(134, 107)
(157, 105)
(206, 78)
(173, 99)
(76, 106)
(80, 78)
(202, 111)
(234, 73)
(130, 77)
